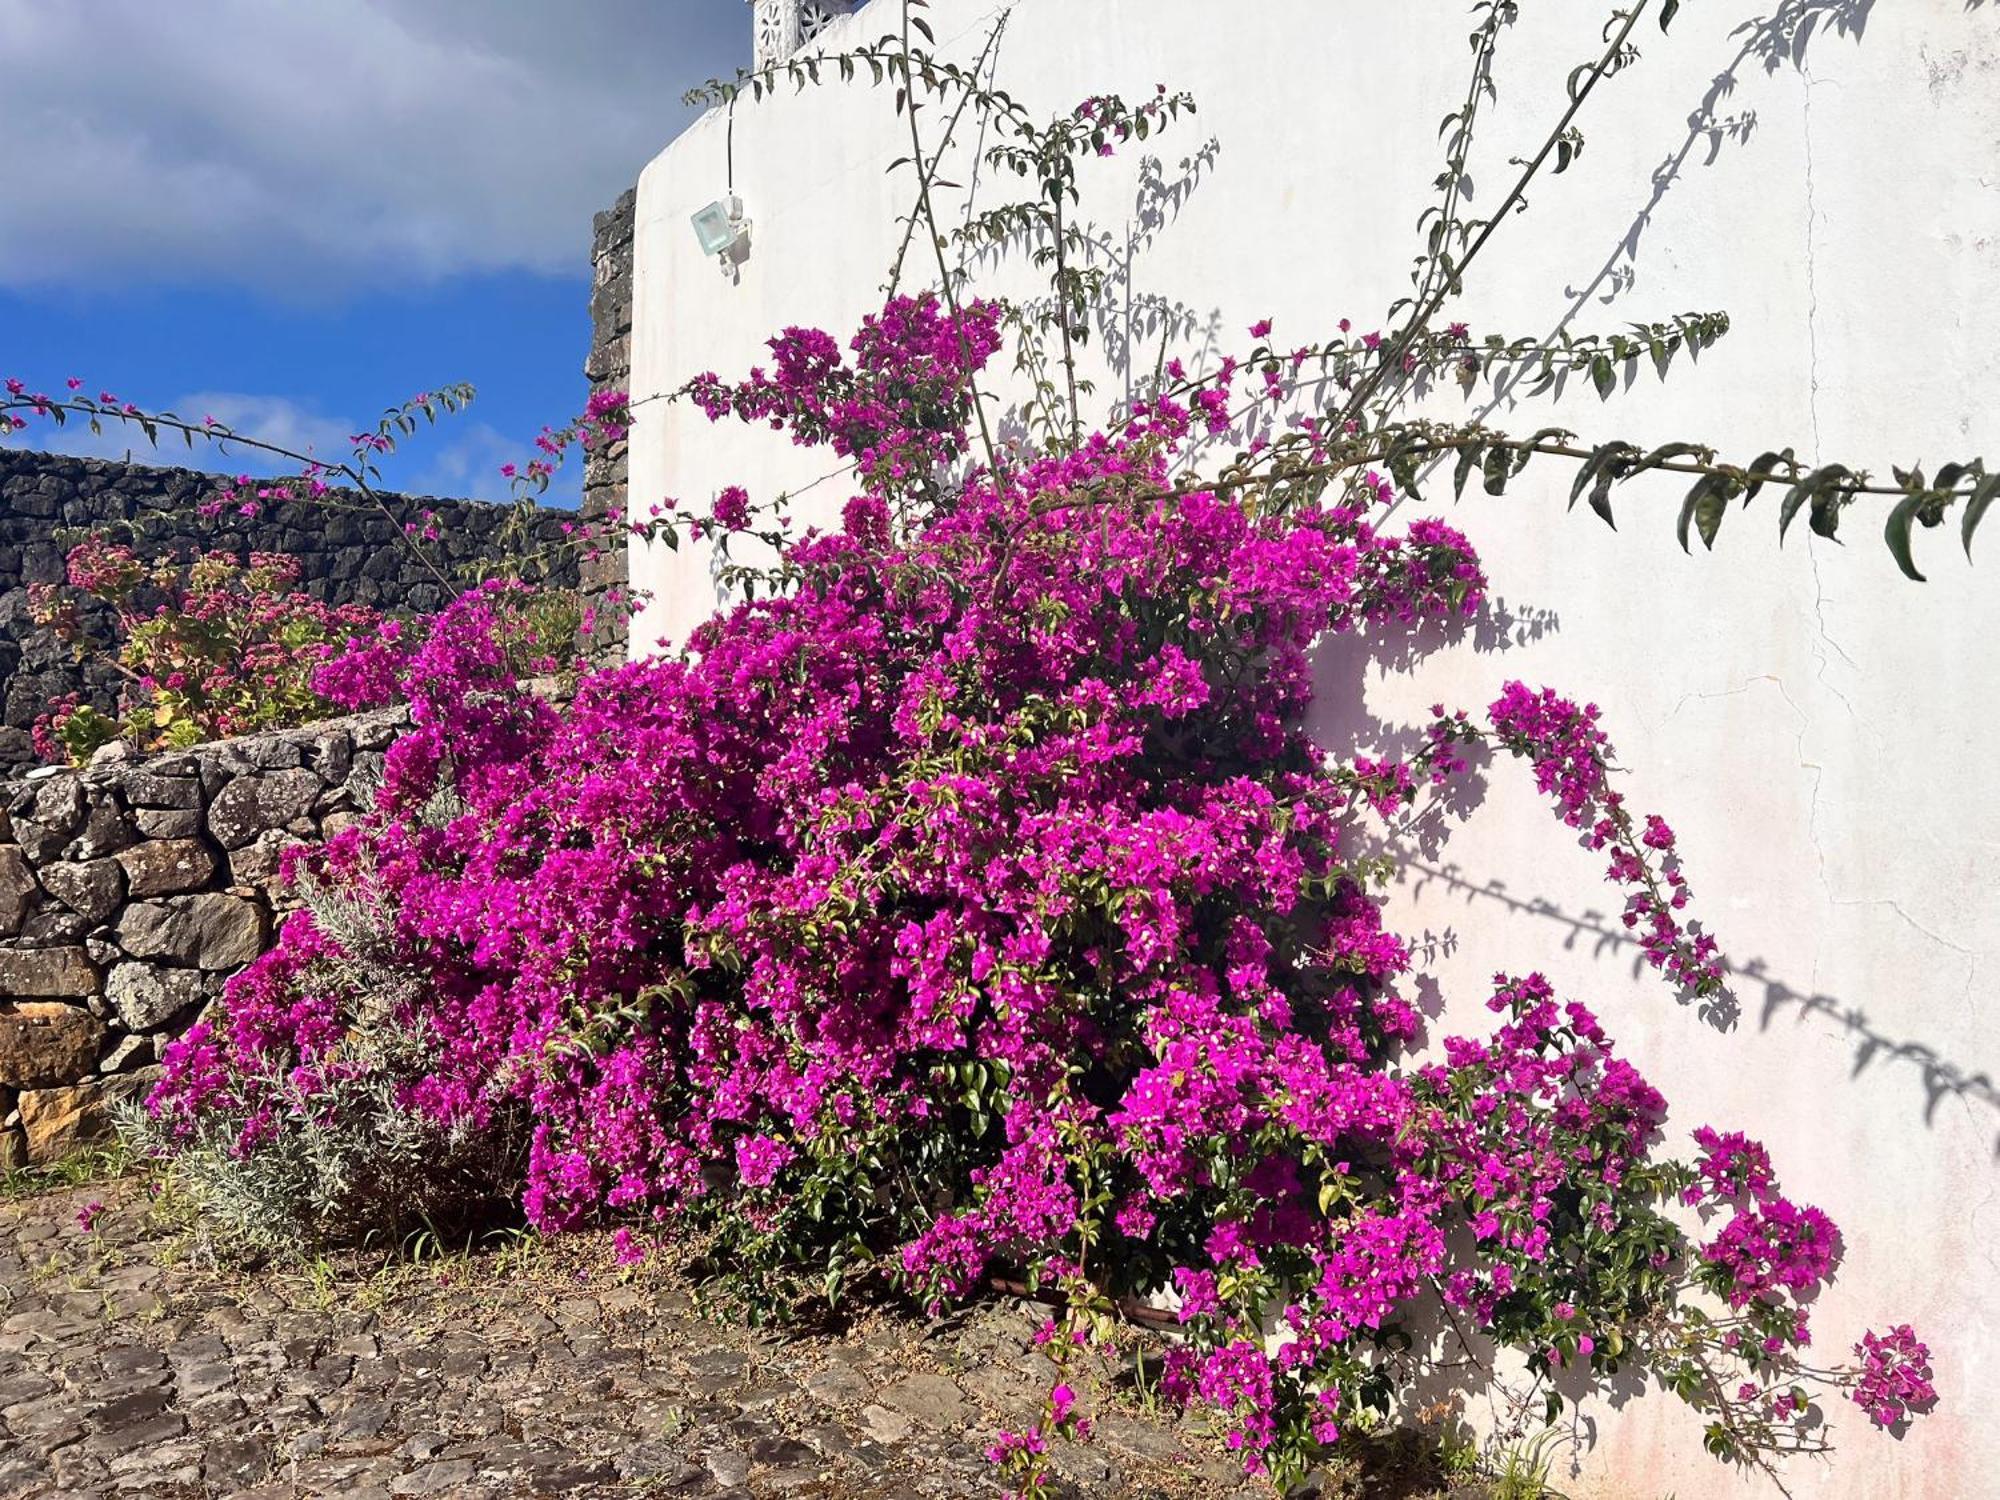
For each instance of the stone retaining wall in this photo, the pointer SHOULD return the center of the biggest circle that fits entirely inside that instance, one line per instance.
(131, 890)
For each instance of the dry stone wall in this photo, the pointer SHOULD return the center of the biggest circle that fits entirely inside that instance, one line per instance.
(131, 890)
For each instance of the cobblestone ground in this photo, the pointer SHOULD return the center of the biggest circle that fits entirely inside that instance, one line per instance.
(129, 1368)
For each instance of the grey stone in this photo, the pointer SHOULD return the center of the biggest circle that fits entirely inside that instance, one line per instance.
(212, 930)
(150, 789)
(435, 1479)
(251, 804)
(47, 973)
(132, 1409)
(18, 890)
(259, 862)
(237, 1460)
(38, 841)
(331, 754)
(105, 831)
(59, 806)
(361, 1420)
(167, 867)
(197, 1381)
(838, 1385)
(929, 1399)
(379, 731)
(165, 823)
(273, 753)
(55, 927)
(730, 1466)
(1135, 1439)
(148, 996)
(884, 1425)
(92, 888)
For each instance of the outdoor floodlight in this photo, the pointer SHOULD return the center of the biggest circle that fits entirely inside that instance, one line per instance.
(721, 228)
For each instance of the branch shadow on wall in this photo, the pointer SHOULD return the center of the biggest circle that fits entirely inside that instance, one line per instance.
(1941, 1079)
(1782, 38)
(1125, 318)
(1768, 42)
(1344, 725)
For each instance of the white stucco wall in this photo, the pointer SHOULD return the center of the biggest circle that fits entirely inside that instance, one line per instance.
(1815, 727)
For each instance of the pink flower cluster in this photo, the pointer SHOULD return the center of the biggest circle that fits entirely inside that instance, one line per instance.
(899, 410)
(1895, 1376)
(1572, 763)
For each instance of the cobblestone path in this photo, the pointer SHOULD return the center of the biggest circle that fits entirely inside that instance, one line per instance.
(128, 1369)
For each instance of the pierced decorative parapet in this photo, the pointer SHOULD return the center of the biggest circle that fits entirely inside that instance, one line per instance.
(784, 26)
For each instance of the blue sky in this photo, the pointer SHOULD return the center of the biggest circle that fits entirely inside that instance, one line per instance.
(290, 215)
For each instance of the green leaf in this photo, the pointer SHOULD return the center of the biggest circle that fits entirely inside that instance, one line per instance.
(1810, 489)
(1603, 465)
(1668, 451)
(1600, 497)
(1583, 476)
(1897, 534)
(1767, 463)
(1497, 469)
(1603, 376)
(1668, 10)
(1705, 506)
(1468, 460)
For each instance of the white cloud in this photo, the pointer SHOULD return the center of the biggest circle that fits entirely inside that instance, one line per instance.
(464, 459)
(278, 420)
(311, 145)
(456, 457)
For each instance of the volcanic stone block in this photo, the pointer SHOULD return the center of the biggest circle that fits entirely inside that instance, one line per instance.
(167, 822)
(128, 1053)
(47, 973)
(150, 789)
(60, 1122)
(92, 888)
(250, 805)
(38, 841)
(51, 926)
(17, 890)
(258, 862)
(105, 831)
(167, 867)
(148, 996)
(59, 805)
(212, 930)
(44, 1043)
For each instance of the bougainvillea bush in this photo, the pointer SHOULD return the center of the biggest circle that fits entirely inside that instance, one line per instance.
(973, 907)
